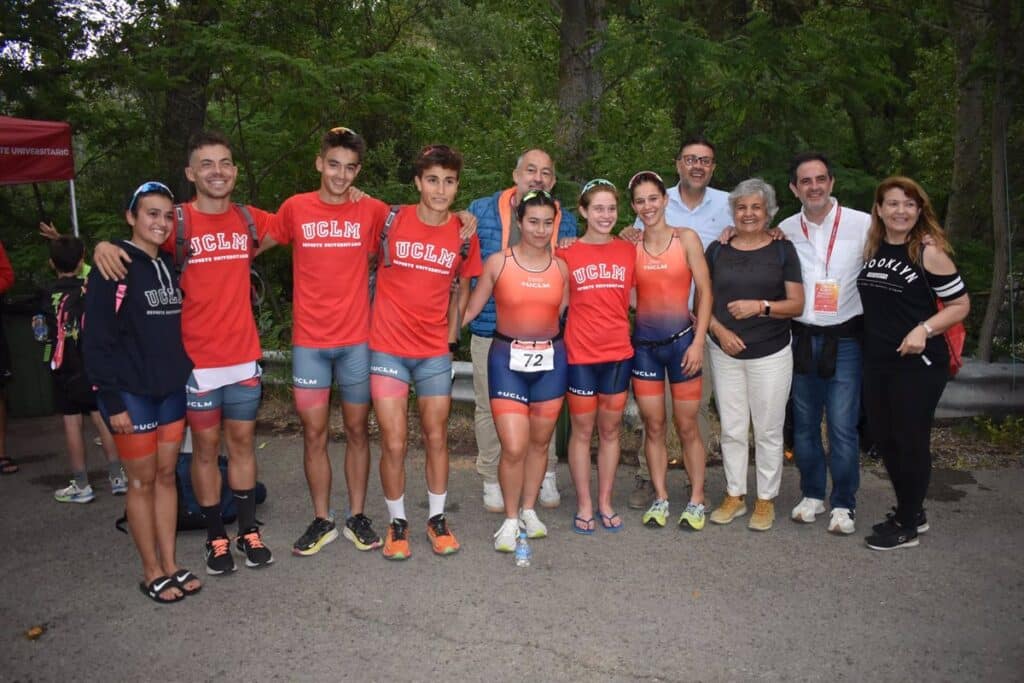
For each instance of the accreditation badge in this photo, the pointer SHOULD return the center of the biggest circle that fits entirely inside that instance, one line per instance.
(529, 356)
(826, 297)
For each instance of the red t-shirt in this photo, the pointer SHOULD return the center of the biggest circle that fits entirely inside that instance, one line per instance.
(217, 326)
(600, 279)
(332, 243)
(410, 311)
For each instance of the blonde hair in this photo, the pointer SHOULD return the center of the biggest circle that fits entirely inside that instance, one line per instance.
(927, 221)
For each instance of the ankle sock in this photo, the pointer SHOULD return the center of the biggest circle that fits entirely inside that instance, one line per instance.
(245, 499)
(214, 523)
(81, 478)
(396, 508)
(436, 502)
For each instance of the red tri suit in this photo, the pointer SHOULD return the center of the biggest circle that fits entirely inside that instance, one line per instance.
(331, 245)
(410, 311)
(217, 326)
(600, 279)
(527, 301)
(662, 281)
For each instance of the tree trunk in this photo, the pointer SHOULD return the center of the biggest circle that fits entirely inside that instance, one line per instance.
(1004, 59)
(580, 84)
(966, 197)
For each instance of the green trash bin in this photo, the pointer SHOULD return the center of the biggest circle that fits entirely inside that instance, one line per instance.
(30, 390)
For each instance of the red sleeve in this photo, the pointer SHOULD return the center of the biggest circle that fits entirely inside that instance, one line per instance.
(280, 224)
(263, 219)
(6, 271)
(473, 265)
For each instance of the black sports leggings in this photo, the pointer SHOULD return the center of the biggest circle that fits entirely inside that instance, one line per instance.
(900, 405)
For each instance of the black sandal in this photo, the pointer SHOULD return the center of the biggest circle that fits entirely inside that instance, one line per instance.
(158, 586)
(8, 466)
(183, 576)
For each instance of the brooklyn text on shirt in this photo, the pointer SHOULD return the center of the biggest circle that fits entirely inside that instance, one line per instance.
(908, 273)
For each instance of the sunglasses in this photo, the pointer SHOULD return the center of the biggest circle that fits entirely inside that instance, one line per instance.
(595, 183)
(544, 194)
(342, 130)
(149, 187)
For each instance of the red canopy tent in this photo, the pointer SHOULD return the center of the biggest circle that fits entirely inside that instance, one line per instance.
(37, 151)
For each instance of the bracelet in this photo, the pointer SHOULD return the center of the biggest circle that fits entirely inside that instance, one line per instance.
(927, 328)
(767, 308)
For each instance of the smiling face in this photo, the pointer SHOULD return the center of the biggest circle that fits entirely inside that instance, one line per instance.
(437, 187)
(213, 171)
(813, 187)
(750, 214)
(696, 165)
(899, 213)
(151, 219)
(535, 171)
(649, 203)
(338, 167)
(601, 213)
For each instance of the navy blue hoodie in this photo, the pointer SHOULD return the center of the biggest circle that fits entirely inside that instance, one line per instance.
(133, 331)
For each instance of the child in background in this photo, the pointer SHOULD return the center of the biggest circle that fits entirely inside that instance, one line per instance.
(62, 312)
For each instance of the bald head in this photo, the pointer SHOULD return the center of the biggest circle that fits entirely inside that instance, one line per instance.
(534, 171)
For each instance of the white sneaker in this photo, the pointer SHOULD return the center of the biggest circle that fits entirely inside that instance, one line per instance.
(493, 500)
(73, 494)
(534, 527)
(505, 538)
(549, 497)
(841, 522)
(118, 484)
(806, 509)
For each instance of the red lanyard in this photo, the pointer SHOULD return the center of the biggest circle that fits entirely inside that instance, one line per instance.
(832, 240)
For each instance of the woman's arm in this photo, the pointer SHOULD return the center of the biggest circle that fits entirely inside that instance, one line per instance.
(693, 359)
(937, 262)
(484, 286)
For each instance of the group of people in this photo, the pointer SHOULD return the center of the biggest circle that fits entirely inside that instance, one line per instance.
(802, 309)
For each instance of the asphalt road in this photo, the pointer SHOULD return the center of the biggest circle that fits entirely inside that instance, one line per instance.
(725, 604)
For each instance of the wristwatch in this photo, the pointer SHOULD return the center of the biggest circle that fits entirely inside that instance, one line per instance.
(453, 347)
(767, 309)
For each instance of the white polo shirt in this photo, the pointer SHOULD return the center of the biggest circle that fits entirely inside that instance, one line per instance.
(844, 266)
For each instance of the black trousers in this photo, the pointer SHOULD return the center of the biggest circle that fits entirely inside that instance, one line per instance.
(900, 405)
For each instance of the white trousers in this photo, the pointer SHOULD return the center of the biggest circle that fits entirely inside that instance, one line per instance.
(756, 389)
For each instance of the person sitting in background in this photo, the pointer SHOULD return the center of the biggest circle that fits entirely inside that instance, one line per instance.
(907, 271)
(757, 288)
(62, 312)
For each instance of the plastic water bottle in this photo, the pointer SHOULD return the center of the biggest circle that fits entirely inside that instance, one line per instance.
(523, 553)
(39, 329)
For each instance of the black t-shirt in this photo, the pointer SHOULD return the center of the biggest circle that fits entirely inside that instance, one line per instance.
(896, 298)
(758, 274)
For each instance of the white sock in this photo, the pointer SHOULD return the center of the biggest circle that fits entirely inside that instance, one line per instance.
(396, 508)
(436, 502)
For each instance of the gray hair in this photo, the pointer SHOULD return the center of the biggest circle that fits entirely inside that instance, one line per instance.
(755, 186)
(519, 161)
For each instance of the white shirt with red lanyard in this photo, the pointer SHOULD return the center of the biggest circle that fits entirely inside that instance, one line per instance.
(831, 256)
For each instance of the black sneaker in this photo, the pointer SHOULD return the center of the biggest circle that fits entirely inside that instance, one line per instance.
(892, 536)
(218, 557)
(256, 554)
(358, 529)
(319, 533)
(921, 520)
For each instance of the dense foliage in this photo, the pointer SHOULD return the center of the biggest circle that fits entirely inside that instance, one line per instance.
(877, 85)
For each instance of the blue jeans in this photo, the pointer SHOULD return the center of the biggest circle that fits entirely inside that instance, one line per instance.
(839, 398)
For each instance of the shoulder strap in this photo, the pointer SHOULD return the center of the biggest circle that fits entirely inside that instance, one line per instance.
(384, 244)
(181, 251)
(254, 238)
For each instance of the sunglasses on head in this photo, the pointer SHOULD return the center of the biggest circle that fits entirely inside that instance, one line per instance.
(151, 186)
(596, 182)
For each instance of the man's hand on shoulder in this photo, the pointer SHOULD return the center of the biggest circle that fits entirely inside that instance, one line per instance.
(468, 221)
(110, 260)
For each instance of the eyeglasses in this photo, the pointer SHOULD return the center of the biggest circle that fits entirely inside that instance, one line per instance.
(341, 130)
(638, 174)
(151, 186)
(532, 194)
(594, 183)
(693, 160)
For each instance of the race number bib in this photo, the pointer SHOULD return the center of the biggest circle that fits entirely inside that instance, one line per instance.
(527, 356)
(826, 297)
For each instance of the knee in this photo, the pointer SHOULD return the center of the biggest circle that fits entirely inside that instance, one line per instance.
(687, 428)
(357, 433)
(435, 440)
(655, 428)
(610, 432)
(165, 477)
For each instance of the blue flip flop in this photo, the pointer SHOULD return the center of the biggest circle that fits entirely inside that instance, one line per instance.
(586, 529)
(607, 522)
